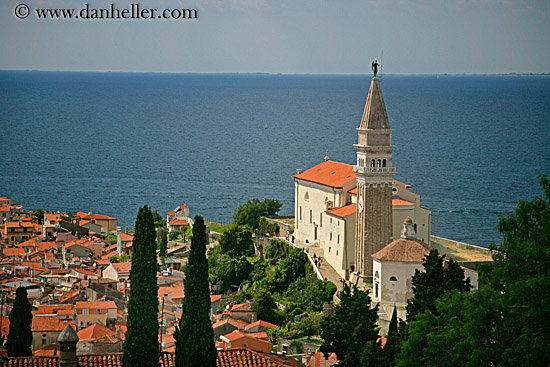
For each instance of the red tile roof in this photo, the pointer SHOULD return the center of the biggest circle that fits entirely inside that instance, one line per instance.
(329, 173)
(94, 331)
(226, 358)
(343, 211)
(403, 251)
(400, 202)
(48, 323)
(237, 323)
(178, 222)
(100, 305)
(261, 323)
(172, 212)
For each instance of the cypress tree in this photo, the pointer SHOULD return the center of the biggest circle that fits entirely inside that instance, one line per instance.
(195, 337)
(163, 243)
(141, 347)
(20, 336)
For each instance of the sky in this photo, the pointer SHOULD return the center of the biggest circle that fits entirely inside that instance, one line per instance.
(284, 36)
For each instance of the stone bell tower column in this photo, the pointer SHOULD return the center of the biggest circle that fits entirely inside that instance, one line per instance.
(67, 347)
(373, 226)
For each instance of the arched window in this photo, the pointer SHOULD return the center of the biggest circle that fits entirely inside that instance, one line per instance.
(306, 197)
(376, 275)
(393, 279)
(384, 163)
(372, 163)
(378, 163)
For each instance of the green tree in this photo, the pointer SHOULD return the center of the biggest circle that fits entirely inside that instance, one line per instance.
(195, 337)
(38, 215)
(351, 332)
(250, 212)
(433, 282)
(265, 306)
(163, 244)
(236, 241)
(141, 344)
(20, 336)
(392, 346)
(507, 321)
(293, 266)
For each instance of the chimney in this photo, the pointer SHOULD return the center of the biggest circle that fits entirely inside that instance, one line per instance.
(67, 347)
(298, 171)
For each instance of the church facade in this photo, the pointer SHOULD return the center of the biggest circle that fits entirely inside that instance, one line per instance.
(353, 211)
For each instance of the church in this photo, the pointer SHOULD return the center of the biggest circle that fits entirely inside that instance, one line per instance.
(353, 211)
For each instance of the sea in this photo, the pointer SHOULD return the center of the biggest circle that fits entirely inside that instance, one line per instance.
(471, 146)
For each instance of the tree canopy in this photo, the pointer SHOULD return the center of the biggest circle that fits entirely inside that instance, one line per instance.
(236, 241)
(433, 282)
(351, 332)
(141, 346)
(507, 321)
(20, 335)
(250, 212)
(195, 337)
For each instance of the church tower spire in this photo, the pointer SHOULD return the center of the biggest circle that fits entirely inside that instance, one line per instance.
(373, 227)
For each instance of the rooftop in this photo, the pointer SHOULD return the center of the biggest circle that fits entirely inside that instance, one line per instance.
(329, 173)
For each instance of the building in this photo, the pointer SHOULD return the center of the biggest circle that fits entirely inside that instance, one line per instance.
(353, 211)
(394, 266)
(178, 218)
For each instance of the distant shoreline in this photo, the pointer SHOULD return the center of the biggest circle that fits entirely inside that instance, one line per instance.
(273, 74)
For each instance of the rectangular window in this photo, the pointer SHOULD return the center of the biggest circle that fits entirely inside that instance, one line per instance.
(320, 219)
(310, 216)
(300, 213)
(330, 236)
(338, 239)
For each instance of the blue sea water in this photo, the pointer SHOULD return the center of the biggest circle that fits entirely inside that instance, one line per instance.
(113, 142)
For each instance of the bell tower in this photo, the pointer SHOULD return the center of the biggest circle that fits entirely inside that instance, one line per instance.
(373, 226)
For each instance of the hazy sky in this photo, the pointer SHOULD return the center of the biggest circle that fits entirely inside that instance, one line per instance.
(286, 36)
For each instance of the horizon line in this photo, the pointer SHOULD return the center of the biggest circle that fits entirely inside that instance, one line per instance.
(276, 73)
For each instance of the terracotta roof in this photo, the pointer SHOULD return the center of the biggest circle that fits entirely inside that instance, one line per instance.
(53, 217)
(122, 267)
(172, 212)
(215, 297)
(401, 202)
(353, 191)
(94, 331)
(101, 305)
(47, 351)
(176, 290)
(237, 323)
(178, 222)
(226, 358)
(68, 295)
(31, 362)
(93, 216)
(19, 224)
(13, 251)
(242, 307)
(45, 246)
(403, 250)
(329, 173)
(54, 308)
(261, 323)
(48, 323)
(343, 211)
(125, 237)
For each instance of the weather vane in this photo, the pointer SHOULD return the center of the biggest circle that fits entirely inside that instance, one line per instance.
(375, 66)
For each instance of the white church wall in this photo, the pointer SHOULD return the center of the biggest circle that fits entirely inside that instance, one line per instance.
(396, 291)
(310, 201)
